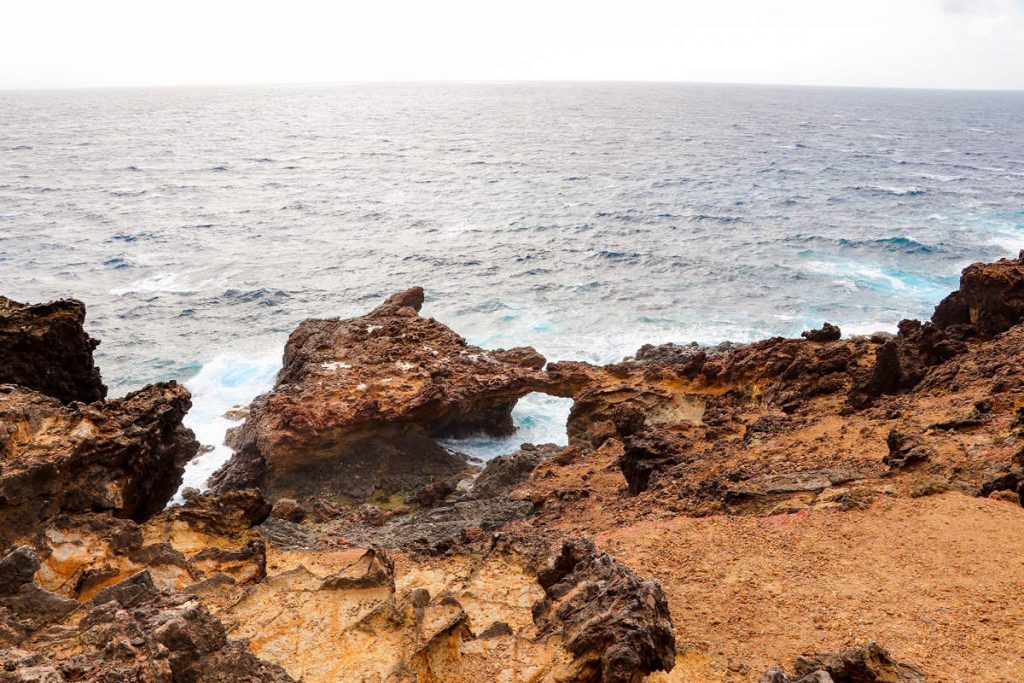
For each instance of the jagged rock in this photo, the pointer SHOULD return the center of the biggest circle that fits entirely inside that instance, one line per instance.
(906, 450)
(990, 298)
(650, 451)
(224, 514)
(44, 347)
(869, 663)
(902, 362)
(615, 624)
(505, 472)
(358, 403)
(126, 455)
(134, 632)
(827, 333)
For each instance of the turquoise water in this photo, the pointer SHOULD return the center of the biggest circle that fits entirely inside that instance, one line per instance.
(201, 225)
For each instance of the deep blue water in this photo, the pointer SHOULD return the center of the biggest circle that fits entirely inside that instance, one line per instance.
(200, 225)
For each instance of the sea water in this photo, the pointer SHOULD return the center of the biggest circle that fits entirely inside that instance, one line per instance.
(201, 225)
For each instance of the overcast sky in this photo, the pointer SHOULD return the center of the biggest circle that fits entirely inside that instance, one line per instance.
(913, 43)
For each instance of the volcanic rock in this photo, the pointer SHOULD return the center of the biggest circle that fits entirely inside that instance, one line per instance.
(990, 298)
(616, 625)
(125, 456)
(44, 347)
(827, 333)
(134, 632)
(868, 663)
(359, 402)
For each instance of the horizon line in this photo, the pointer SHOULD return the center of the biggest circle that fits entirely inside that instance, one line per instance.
(554, 81)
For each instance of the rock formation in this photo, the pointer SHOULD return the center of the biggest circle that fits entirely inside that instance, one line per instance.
(358, 403)
(44, 347)
(126, 455)
(718, 511)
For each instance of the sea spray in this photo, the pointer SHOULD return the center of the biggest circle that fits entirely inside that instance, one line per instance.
(228, 380)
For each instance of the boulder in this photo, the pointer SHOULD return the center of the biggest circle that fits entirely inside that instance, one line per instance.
(125, 456)
(990, 299)
(44, 347)
(827, 333)
(614, 623)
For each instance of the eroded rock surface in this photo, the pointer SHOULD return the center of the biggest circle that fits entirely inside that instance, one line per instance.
(125, 456)
(358, 403)
(44, 347)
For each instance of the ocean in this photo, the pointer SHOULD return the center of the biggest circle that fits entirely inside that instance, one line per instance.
(201, 225)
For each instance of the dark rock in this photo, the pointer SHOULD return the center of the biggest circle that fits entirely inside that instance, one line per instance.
(990, 299)
(505, 472)
(650, 451)
(906, 450)
(827, 333)
(44, 347)
(133, 632)
(868, 663)
(615, 624)
(902, 362)
(125, 456)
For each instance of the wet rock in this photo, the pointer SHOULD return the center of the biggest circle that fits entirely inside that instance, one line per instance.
(990, 299)
(614, 623)
(827, 333)
(44, 347)
(125, 456)
(906, 450)
(505, 472)
(358, 403)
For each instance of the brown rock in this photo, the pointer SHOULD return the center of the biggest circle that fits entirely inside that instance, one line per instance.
(289, 509)
(358, 403)
(134, 632)
(827, 333)
(614, 623)
(44, 347)
(126, 455)
(990, 299)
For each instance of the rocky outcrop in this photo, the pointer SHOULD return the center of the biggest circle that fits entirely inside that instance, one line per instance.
(44, 347)
(990, 299)
(359, 402)
(125, 456)
(868, 663)
(616, 625)
(826, 333)
(131, 631)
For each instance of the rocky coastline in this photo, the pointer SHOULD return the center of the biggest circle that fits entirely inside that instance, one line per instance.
(788, 511)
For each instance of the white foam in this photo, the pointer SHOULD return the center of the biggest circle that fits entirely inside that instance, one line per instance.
(539, 418)
(228, 380)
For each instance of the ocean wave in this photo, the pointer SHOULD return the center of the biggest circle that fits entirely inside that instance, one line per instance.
(538, 419)
(909, 191)
(226, 381)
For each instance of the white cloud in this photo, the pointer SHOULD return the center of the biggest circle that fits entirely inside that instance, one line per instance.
(926, 43)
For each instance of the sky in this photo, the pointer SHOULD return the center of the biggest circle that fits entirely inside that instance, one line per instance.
(887, 43)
